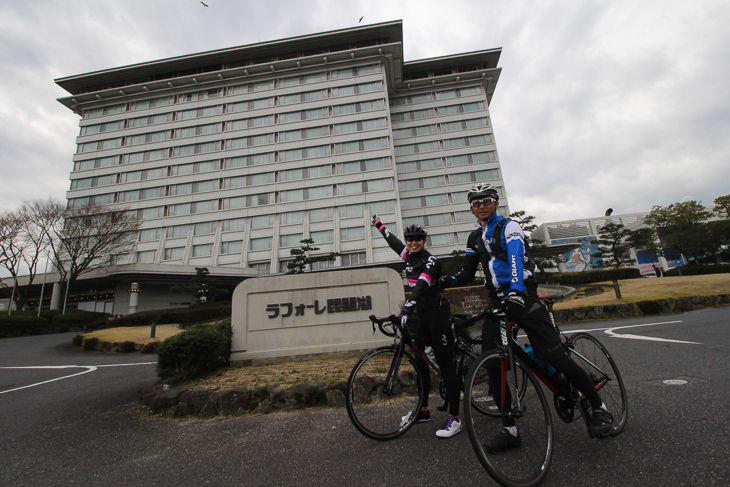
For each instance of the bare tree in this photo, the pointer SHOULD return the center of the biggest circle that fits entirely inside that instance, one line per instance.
(12, 245)
(89, 237)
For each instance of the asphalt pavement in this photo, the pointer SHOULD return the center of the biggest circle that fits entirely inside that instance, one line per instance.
(79, 425)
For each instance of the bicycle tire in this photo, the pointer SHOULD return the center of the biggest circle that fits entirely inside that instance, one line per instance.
(590, 354)
(376, 413)
(526, 465)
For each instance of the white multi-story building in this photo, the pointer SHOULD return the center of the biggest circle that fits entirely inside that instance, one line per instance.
(231, 157)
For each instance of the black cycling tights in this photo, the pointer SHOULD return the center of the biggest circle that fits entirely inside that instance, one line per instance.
(434, 328)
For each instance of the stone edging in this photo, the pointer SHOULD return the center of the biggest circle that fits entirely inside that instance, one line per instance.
(642, 308)
(179, 402)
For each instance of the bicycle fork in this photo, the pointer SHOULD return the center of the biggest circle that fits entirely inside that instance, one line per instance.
(392, 378)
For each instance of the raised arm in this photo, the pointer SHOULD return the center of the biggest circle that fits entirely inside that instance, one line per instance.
(393, 241)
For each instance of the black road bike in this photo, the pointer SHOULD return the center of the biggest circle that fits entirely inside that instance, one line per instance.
(385, 390)
(521, 376)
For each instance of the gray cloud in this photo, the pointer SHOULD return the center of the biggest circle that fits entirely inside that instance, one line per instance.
(619, 104)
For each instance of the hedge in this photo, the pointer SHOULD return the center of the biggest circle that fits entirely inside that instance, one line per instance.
(699, 270)
(194, 352)
(587, 277)
(18, 325)
(27, 322)
(174, 316)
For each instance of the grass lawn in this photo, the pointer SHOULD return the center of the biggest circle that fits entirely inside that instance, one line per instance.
(634, 290)
(137, 334)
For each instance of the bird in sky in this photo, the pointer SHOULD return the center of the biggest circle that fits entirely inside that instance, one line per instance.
(204, 4)
(360, 19)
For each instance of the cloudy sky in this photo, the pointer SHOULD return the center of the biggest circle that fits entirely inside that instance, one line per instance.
(600, 104)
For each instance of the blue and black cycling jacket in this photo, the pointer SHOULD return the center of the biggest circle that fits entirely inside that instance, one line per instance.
(501, 275)
(422, 271)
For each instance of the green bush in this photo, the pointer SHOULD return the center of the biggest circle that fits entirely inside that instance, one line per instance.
(192, 353)
(150, 347)
(18, 324)
(699, 270)
(587, 277)
(174, 315)
(90, 344)
(79, 319)
(78, 340)
(127, 347)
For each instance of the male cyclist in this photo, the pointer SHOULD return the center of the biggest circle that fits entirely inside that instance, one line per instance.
(434, 313)
(509, 276)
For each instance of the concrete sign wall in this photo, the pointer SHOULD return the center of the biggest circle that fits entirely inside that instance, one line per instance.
(303, 314)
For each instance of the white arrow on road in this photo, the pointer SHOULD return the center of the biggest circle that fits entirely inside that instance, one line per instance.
(611, 332)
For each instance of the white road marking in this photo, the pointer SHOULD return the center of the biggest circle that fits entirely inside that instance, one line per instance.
(611, 332)
(88, 368)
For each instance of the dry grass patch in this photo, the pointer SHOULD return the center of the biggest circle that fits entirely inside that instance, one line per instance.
(283, 373)
(635, 290)
(137, 334)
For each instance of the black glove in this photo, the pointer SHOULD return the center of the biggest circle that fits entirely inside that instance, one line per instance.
(402, 318)
(374, 219)
(446, 282)
(514, 304)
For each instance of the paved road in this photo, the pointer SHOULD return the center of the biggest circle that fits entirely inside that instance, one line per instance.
(83, 430)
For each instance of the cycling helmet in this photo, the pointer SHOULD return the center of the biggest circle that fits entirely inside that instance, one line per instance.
(415, 231)
(482, 190)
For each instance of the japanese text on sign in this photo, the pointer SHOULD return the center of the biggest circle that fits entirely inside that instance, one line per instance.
(335, 305)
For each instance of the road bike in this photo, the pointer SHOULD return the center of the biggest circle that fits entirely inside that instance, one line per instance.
(521, 376)
(385, 390)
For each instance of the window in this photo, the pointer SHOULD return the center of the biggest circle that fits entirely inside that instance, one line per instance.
(232, 247)
(353, 233)
(463, 216)
(152, 103)
(234, 225)
(439, 219)
(175, 253)
(263, 266)
(322, 214)
(465, 159)
(206, 228)
(382, 207)
(203, 250)
(442, 239)
(178, 231)
(322, 264)
(103, 127)
(292, 240)
(437, 199)
(149, 235)
(366, 106)
(322, 237)
(263, 221)
(292, 218)
(146, 257)
(354, 259)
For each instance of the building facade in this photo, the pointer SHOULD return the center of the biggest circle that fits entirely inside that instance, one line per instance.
(231, 157)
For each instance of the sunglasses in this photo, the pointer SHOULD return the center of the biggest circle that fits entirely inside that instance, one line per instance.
(414, 239)
(485, 202)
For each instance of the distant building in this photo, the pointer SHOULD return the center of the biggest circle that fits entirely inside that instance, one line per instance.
(231, 157)
(586, 233)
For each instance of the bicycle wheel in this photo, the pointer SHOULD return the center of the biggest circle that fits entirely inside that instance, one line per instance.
(383, 405)
(593, 357)
(523, 466)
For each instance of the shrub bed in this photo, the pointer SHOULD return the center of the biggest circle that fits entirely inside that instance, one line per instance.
(194, 352)
(18, 325)
(174, 315)
(699, 270)
(587, 277)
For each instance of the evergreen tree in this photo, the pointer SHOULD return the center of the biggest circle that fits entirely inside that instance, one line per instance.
(612, 245)
(202, 286)
(303, 260)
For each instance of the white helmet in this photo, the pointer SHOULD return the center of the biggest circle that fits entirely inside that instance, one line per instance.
(482, 190)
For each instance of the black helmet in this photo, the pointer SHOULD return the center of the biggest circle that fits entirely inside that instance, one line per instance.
(415, 231)
(482, 190)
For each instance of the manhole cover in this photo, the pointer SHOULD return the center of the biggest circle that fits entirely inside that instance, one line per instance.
(674, 382)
